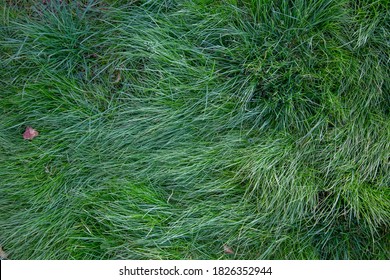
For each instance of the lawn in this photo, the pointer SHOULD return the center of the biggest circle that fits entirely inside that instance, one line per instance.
(195, 129)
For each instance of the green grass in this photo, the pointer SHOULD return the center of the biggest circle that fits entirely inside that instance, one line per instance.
(170, 128)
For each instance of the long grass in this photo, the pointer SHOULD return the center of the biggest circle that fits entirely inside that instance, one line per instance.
(168, 129)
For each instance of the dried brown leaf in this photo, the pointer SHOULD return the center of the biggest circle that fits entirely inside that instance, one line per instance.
(3, 255)
(118, 77)
(227, 249)
(30, 133)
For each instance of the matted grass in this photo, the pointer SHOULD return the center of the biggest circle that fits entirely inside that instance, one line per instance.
(168, 129)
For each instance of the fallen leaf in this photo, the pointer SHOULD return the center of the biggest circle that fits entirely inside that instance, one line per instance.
(227, 249)
(118, 77)
(3, 255)
(30, 133)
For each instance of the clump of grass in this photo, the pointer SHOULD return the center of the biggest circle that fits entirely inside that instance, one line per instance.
(168, 129)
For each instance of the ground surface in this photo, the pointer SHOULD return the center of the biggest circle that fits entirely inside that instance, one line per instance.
(195, 129)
